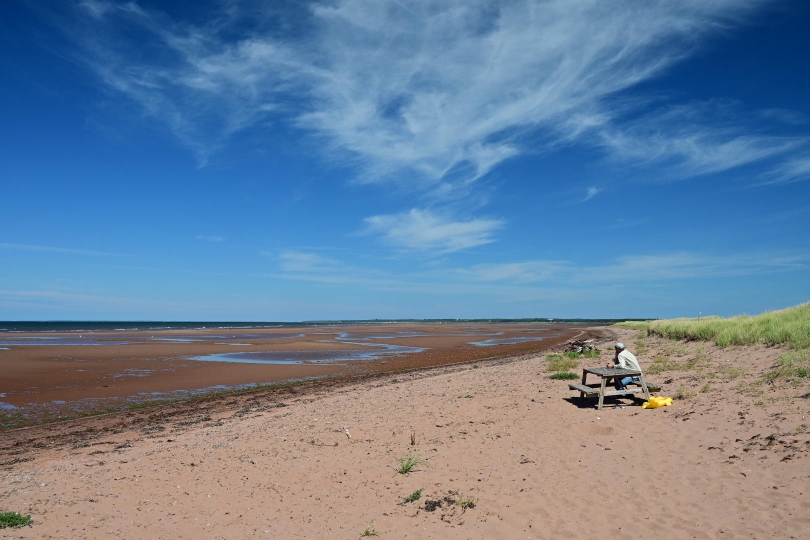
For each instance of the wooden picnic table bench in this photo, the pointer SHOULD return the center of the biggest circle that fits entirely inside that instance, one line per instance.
(600, 390)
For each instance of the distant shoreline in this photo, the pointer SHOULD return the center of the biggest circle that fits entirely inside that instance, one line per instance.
(123, 326)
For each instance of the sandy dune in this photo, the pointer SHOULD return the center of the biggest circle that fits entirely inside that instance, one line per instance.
(730, 462)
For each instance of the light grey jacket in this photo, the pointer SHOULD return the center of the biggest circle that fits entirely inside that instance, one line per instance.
(628, 361)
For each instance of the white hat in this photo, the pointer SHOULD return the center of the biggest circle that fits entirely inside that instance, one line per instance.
(619, 345)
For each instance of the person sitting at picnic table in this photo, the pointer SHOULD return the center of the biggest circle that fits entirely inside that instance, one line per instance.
(626, 360)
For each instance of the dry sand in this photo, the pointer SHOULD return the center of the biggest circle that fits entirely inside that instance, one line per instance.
(729, 462)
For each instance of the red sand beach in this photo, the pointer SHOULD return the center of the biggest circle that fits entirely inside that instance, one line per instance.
(729, 459)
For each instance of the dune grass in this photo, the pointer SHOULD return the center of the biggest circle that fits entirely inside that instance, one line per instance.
(415, 496)
(466, 501)
(793, 365)
(14, 519)
(370, 530)
(683, 392)
(584, 354)
(564, 376)
(785, 327)
(558, 362)
(408, 462)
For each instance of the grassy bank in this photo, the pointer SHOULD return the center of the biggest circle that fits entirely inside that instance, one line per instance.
(785, 327)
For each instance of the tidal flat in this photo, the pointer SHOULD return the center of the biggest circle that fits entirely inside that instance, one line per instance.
(52, 376)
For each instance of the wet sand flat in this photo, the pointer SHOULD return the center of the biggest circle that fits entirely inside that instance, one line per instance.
(52, 375)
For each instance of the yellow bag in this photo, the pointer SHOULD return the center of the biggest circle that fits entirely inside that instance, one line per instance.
(656, 402)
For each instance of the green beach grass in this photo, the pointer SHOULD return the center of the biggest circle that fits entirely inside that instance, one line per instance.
(564, 376)
(14, 520)
(788, 328)
(791, 366)
(785, 327)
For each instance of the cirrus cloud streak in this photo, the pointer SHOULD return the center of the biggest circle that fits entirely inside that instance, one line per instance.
(427, 231)
(432, 94)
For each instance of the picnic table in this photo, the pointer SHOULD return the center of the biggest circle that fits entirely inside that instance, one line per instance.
(606, 375)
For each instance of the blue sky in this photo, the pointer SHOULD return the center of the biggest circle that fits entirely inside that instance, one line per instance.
(342, 159)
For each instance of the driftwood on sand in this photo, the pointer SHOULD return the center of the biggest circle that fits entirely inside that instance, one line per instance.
(580, 345)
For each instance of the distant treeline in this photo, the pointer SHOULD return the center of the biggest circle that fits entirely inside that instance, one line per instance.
(454, 321)
(88, 326)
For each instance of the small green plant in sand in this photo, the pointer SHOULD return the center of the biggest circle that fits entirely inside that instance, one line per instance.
(465, 501)
(415, 496)
(13, 519)
(641, 347)
(662, 363)
(793, 365)
(370, 531)
(706, 388)
(753, 388)
(683, 393)
(564, 376)
(466, 396)
(407, 463)
(558, 362)
(730, 372)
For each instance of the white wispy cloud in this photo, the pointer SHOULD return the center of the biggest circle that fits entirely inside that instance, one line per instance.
(793, 170)
(785, 116)
(207, 238)
(425, 230)
(637, 268)
(694, 139)
(51, 249)
(82, 301)
(96, 8)
(623, 223)
(430, 93)
(545, 279)
(307, 263)
(590, 193)
(515, 272)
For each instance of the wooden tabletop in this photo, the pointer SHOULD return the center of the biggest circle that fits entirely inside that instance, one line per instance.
(612, 372)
